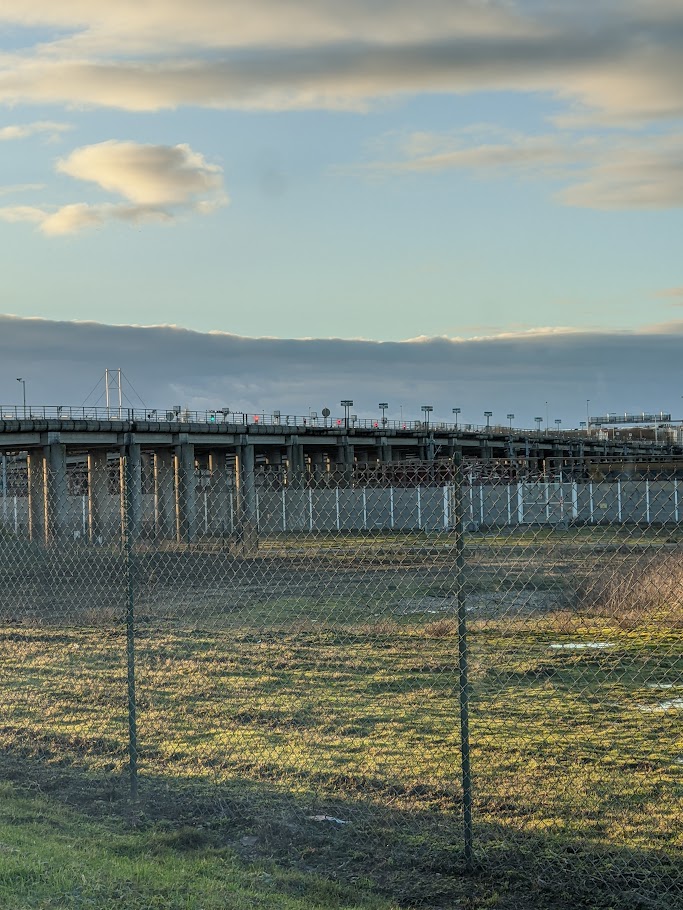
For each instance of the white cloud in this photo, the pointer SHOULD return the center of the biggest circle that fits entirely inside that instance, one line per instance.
(24, 130)
(620, 63)
(158, 182)
(10, 188)
(639, 175)
(147, 175)
(671, 293)
(484, 150)
(163, 26)
(613, 172)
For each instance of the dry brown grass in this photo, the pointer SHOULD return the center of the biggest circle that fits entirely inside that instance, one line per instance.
(650, 591)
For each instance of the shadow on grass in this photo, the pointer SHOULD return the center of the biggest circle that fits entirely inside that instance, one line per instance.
(411, 856)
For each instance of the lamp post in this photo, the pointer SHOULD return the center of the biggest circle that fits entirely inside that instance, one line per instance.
(511, 417)
(426, 410)
(456, 411)
(347, 404)
(23, 388)
(383, 405)
(588, 420)
(539, 421)
(488, 415)
(558, 421)
(546, 416)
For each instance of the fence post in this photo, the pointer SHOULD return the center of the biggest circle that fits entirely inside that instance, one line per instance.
(130, 626)
(463, 686)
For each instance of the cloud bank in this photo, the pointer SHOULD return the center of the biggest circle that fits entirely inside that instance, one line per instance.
(158, 182)
(617, 62)
(598, 172)
(62, 361)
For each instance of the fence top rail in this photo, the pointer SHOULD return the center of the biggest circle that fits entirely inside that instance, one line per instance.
(226, 416)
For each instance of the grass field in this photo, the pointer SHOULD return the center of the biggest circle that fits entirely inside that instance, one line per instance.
(299, 733)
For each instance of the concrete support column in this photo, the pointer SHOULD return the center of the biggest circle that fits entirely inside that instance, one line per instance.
(131, 489)
(246, 489)
(317, 466)
(164, 494)
(219, 492)
(385, 454)
(98, 495)
(296, 466)
(428, 448)
(186, 483)
(36, 495)
(56, 490)
(346, 457)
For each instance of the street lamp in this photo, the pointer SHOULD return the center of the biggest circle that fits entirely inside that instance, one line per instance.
(511, 417)
(347, 404)
(426, 410)
(456, 411)
(588, 420)
(539, 421)
(23, 388)
(488, 415)
(558, 421)
(383, 405)
(546, 416)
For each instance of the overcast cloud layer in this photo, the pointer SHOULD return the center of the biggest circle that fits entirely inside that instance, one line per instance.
(618, 60)
(62, 362)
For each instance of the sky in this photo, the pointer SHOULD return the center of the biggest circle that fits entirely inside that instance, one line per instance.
(449, 175)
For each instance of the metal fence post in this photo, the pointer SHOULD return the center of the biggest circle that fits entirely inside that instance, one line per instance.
(463, 686)
(130, 626)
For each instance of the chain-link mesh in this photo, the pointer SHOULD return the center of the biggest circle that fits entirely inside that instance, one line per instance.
(286, 656)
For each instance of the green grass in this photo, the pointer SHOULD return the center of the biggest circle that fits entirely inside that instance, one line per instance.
(54, 857)
(273, 691)
(250, 736)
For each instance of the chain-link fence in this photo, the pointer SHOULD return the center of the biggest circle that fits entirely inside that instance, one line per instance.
(436, 682)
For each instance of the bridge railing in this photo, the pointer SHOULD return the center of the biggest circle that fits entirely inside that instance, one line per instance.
(244, 418)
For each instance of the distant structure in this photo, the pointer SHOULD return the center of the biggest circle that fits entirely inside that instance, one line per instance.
(614, 419)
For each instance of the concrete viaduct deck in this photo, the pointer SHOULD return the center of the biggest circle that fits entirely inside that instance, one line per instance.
(174, 453)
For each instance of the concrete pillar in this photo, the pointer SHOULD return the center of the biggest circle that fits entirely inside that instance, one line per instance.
(56, 490)
(164, 494)
(246, 489)
(219, 492)
(429, 448)
(296, 465)
(98, 495)
(131, 489)
(346, 458)
(385, 453)
(186, 483)
(36, 495)
(318, 467)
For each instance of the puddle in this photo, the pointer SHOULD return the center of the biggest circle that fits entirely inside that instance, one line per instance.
(583, 645)
(675, 704)
(427, 605)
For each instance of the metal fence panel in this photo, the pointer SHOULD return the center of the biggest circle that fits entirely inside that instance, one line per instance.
(412, 682)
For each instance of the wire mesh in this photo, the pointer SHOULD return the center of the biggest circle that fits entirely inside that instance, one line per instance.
(286, 654)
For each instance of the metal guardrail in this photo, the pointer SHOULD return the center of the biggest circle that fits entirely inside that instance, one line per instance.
(243, 418)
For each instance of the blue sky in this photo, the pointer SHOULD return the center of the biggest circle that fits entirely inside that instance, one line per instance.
(376, 169)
